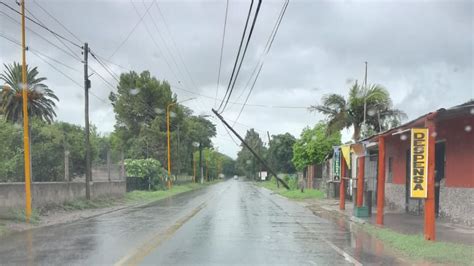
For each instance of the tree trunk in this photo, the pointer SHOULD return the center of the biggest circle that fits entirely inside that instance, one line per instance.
(356, 135)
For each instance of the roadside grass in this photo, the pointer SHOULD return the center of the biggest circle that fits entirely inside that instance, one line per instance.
(19, 215)
(294, 194)
(82, 204)
(417, 248)
(148, 196)
(3, 229)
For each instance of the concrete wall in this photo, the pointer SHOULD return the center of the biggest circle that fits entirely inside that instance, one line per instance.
(12, 195)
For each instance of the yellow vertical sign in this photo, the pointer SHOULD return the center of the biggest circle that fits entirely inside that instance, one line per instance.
(419, 163)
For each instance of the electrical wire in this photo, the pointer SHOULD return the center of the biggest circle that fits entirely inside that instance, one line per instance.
(41, 36)
(59, 39)
(222, 51)
(42, 26)
(155, 24)
(269, 45)
(42, 57)
(174, 43)
(129, 34)
(243, 55)
(113, 75)
(238, 55)
(57, 21)
(154, 41)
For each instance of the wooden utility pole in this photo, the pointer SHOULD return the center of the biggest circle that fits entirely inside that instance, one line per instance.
(250, 149)
(365, 93)
(109, 168)
(66, 165)
(200, 163)
(87, 85)
(26, 138)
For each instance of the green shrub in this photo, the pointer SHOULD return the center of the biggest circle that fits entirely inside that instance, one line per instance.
(147, 170)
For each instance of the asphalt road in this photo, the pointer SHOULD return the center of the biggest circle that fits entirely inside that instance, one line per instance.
(230, 223)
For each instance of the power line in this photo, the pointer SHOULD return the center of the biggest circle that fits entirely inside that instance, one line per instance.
(38, 52)
(59, 39)
(113, 75)
(39, 35)
(129, 34)
(238, 55)
(243, 55)
(154, 41)
(42, 26)
(268, 46)
(42, 57)
(57, 21)
(222, 50)
(172, 39)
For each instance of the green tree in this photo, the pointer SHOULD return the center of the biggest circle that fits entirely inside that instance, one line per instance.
(246, 161)
(280, 153)
(139, 105)
(314, 145)
(346, 113)
(41, 99)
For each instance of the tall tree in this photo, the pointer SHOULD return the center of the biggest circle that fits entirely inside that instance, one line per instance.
(313, 145)
(246, 161)
(41, 99)
(140, 112)
(346, 113)
(280, 153)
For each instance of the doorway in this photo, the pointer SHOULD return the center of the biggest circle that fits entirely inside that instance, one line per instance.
(440, 161)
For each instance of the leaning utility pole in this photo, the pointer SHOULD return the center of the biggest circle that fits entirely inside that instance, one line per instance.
(87, 85)
(26, 138)
(251, 150)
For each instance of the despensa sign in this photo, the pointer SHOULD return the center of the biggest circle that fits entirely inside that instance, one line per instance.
(419, 163)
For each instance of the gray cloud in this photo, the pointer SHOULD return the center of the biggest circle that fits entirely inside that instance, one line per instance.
(422, 52)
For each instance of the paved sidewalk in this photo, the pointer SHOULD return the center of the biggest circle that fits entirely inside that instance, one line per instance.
(403, 222)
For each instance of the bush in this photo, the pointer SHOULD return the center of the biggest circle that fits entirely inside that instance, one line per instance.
(145, 170)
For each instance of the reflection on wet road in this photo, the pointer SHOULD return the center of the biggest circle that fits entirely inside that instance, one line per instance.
(232, 222)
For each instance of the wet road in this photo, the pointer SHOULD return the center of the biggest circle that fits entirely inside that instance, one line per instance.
(231, 223)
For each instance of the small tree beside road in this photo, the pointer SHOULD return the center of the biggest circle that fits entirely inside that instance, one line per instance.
(313, 145)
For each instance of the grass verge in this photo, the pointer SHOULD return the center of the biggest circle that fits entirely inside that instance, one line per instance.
(20, 215)
(293, 193)
(417, 248)
(148, 196)
(3, 229)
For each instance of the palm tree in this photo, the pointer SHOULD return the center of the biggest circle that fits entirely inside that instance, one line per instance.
(40, 98)
(344, 113)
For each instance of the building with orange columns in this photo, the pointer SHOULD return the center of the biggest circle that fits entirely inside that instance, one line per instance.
(449, 167)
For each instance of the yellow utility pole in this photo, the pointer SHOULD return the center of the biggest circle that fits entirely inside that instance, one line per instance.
(26, 138)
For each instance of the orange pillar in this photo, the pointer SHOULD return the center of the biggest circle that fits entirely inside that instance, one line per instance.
(381, 181)
(342, 191)
(430, 227)
(360, 181)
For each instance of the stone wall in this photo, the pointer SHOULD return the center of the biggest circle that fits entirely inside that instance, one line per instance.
(12, 195)
(395, 197)
(457, 204)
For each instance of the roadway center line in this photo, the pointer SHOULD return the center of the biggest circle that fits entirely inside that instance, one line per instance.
(138, 254)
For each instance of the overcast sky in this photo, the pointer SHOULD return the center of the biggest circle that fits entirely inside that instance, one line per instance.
(421, 51)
